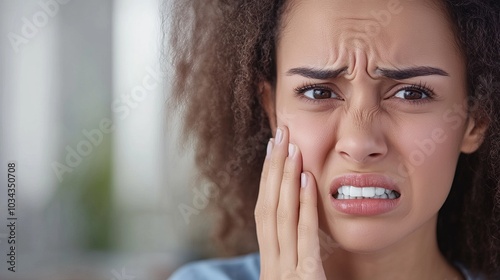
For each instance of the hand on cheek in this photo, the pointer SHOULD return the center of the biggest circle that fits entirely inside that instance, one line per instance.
(286, 215)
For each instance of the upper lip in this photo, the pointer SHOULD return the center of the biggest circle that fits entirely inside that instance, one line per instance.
(363, 180)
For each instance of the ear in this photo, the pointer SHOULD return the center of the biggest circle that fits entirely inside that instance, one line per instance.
(473, 136)
(268, 101)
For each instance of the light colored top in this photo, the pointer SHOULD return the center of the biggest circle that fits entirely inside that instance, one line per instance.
(245, 268)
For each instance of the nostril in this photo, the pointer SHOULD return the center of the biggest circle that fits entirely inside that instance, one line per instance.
(359, 157)
(361, 146)
(375, 155)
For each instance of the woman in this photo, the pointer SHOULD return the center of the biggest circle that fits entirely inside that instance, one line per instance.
(383, 162)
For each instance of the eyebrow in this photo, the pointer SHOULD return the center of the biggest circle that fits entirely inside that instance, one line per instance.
(407, 73)
(319, 74)
(395, 74)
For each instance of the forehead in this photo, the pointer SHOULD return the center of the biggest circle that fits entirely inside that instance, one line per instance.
(390, 32)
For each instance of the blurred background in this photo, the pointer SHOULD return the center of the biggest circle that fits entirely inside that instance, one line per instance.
(102, 191)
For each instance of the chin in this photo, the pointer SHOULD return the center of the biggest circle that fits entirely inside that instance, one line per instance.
(353, 246)
(363, 236)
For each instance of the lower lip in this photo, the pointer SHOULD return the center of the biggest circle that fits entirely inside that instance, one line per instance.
(364, 207)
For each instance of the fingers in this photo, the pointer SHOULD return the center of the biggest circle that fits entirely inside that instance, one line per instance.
(288, 208)
(267, 201)
(307, 235)
(286, 213)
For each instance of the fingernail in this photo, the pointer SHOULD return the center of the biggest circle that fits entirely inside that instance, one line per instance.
(291, 150)
(303, 180)
(279, 135)
(269, 148)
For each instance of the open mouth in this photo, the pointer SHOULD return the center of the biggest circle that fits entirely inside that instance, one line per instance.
(351, 192)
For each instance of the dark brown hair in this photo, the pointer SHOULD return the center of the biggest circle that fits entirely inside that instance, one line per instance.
(222, 49)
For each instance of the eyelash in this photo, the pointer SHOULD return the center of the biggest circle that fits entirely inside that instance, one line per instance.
(299, 91)
(421, 87)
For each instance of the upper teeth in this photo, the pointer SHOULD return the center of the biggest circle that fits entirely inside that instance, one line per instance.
(351, 192)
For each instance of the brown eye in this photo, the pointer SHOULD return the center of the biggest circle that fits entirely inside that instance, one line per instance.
(411, 94)
(320, 93)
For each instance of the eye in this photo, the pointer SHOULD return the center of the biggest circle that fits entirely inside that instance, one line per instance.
(413, 93)
(317, 92)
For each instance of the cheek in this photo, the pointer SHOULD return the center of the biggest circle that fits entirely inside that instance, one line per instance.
(426, 144)
(314, 134)
(430, 154)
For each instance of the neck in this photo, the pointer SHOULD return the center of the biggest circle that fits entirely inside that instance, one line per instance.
(415, 257)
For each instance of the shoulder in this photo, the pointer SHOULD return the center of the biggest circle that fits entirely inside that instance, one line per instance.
(245, 267)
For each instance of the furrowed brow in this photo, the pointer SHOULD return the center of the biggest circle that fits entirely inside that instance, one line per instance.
(319, 74)
(407, 73)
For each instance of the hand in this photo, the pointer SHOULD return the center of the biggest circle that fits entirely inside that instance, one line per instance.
(286, 215)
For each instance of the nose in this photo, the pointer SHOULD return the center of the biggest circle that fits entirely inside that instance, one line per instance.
(360, 138)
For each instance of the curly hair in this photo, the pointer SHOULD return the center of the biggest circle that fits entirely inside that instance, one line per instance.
(221, 52)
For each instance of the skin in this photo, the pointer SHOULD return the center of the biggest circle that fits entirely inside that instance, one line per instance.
(366, 126)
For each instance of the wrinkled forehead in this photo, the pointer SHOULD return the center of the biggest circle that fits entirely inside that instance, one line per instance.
(395, 32)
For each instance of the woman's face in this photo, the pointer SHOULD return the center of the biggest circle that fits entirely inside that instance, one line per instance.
(374, 95)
